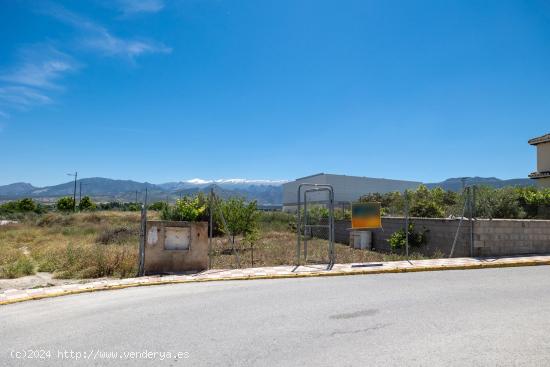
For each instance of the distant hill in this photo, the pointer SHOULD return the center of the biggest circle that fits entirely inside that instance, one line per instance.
(455, 184)
(15, 189)
(105, 189)
(265, 192)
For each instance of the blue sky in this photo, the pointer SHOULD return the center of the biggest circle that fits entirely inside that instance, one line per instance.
(161, 90)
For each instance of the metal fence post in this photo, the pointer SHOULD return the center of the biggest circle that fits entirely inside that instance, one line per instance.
(407, 224)
(471, 198)
(298, 225)
(142, 236)
(210, 227)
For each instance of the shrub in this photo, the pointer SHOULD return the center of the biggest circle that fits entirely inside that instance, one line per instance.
(65, 204)
(117, 235)
(501, 203)
(50, 219)
(186, 209)
(89, 261)
(85, 204)
(132, 207)
(158, 206)
(277, 221)
(397, 240)
(26, 205)
(15, 264)
(426, 209)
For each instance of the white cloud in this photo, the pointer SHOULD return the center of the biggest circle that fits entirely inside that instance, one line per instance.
(22, 97)
(39, 66)
(114, 46)
(99, 38)
(36, 73)
(129, 7)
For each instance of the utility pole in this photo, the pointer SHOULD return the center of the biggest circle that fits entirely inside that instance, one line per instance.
(463, 179)
(74, 191)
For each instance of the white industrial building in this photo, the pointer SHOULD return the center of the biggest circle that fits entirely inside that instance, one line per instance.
(346, 188)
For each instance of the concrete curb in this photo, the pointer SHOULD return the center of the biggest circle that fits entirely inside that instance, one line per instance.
(313, 274)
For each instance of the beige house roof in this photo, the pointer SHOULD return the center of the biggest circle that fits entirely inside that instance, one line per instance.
(540, 140)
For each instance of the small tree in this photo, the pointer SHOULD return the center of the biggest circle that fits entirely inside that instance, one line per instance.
(241, 218)
(65, 204)
(186, 209)
(26, 205)
(86, 204)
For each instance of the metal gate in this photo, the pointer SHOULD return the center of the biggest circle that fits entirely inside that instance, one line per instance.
(315, 228)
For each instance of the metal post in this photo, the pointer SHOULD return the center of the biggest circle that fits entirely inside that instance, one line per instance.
(298, 225)
(210, 228)
(406, 224)
(305, 226)
(142, 236)
(331, 229)
(74, 191)
(471, 210)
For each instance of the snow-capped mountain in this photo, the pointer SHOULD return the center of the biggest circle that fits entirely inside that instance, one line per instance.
(226, 183)
(266, 192)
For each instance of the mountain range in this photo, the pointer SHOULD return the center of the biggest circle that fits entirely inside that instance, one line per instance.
(266, 192)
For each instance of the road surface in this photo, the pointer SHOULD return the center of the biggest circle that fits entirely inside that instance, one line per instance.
(451, 318)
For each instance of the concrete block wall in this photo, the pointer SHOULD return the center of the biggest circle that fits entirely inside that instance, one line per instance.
(440, 234)
(511, 237)
(492, 237)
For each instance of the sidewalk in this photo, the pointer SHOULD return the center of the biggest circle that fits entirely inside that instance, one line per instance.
(19, 295)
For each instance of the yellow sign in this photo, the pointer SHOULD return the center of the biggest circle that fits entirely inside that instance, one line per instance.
(365, 216)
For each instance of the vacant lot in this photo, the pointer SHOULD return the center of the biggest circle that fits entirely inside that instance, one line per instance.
(105, 244)
(83, 245)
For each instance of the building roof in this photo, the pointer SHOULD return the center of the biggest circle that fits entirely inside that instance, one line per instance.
(310, 176)
(536, 175)
(540, 140)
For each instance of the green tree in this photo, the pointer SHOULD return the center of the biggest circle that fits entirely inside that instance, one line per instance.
(189, 209)
(86, 204)
(241, 218)
(499, 203)
(26, 205)
(424, 203)
(65, 204)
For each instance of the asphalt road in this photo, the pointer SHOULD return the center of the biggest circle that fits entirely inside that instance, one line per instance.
(452, 318)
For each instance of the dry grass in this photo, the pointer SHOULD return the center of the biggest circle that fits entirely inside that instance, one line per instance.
(279, 248)
(105, 244)
(82, 245)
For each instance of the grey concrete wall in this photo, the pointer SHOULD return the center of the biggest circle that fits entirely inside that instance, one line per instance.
(496, 237)
(511, 237)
